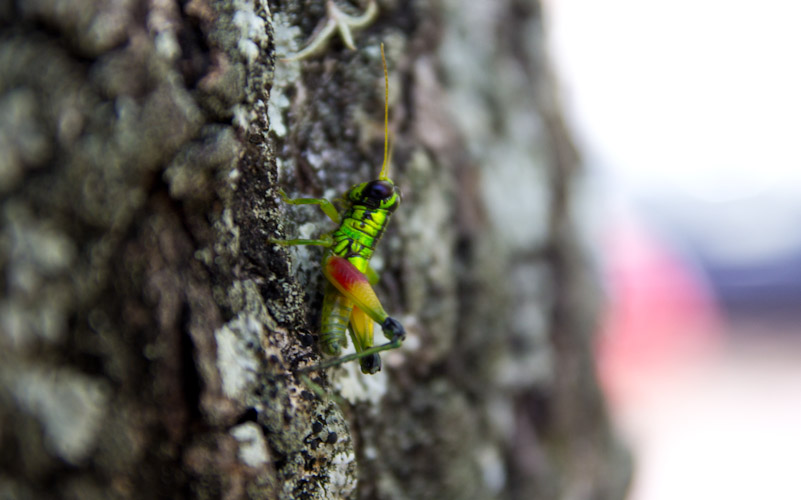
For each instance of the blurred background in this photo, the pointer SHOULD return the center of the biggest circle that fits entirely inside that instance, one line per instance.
(688, 116)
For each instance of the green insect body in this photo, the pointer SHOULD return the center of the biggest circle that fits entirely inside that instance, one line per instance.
(349, 301)
(355, 239)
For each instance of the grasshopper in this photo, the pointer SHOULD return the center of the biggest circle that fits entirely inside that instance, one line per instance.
(349, 301)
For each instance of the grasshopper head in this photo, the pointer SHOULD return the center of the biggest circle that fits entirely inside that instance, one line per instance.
(380, 193)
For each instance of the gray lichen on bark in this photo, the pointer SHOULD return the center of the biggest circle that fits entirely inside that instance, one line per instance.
(150, 335)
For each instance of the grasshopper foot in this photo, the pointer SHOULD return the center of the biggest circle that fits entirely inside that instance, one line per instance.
(371, 364)
(393, 330)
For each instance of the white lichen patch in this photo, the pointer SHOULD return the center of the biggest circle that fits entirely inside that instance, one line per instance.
(275, 112)
(39, 258)
(517, 174)
(370, 452)
(424, 222)
(531, 363)
(228, 243)
(285, 36)
(308, 230)
(492, 468)
(342, 478)
(37, 251)
(307, 256)
(354, 386)
(279, 167)
(23, 140)
(238, 342)
(252, 30)
(162, 23)
(23, 324)
(252, 445)
(167, 45)
(286, 73)
(243, 115)
(69, 405)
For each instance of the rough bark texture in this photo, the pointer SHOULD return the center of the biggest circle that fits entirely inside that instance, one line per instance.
(149, 334)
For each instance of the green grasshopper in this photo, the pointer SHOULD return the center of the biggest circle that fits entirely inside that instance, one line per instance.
(349, 301)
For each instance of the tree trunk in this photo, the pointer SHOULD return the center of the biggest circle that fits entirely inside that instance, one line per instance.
(150, 335)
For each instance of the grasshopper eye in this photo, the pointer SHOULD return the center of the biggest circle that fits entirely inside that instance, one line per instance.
(378, 190)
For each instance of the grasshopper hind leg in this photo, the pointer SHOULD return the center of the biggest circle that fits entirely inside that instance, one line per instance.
(361, 332)
(371, 354)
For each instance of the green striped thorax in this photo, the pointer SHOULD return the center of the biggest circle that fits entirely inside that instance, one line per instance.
(378, 194)
(370, 206)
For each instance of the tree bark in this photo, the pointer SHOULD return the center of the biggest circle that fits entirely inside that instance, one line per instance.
(150, 335)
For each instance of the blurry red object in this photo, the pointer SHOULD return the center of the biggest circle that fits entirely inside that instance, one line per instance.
(660, 313)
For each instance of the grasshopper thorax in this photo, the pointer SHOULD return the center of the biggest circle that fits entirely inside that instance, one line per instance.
(380, 193)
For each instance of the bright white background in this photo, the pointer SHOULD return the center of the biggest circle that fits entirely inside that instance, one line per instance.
(699, 100)
(688, 117)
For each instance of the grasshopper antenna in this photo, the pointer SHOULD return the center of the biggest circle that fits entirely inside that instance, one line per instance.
(383, 175)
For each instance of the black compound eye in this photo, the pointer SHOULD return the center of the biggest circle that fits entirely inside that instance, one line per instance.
(378, 190)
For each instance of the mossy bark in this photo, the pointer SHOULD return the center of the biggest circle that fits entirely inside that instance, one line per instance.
(150, 334)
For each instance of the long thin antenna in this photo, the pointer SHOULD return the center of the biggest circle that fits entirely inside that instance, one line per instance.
(383, 174)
